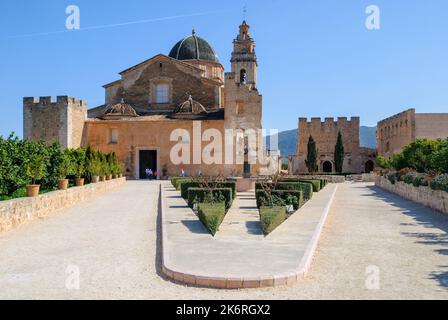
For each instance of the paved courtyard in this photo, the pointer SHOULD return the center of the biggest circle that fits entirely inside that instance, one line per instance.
(112, 241)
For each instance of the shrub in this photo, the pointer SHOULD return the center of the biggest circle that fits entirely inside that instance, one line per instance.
(201, 183)
(94, 164)
(440, 183)
(78, 160)
(306, 188)
(58, 167)
(271, 218)
(283, 198)
(176, 181)
(392, 178)
(317, 184)
(201, 195)
(35, 168)
(212, 215)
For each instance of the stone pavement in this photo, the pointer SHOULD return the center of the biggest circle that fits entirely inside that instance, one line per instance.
(113, 239)
(193, 256)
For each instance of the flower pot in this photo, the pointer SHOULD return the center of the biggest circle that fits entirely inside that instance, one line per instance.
(109, 177)
(79, 182)
(32, 190)
(102, 178)
(63, 184)
(95, 179)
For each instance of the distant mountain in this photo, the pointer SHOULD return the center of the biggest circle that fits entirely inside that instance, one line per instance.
(287, 140)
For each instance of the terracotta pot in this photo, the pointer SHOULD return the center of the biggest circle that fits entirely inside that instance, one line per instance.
(95, 179)
(79, 182)
(102, 178)
(32, 190)
(109, 177)
(63, 184)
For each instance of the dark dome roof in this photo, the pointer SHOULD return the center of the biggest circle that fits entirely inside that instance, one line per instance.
(119, 110)
(192, 48)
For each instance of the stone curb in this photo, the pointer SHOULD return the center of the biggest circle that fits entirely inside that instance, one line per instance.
(287, 279)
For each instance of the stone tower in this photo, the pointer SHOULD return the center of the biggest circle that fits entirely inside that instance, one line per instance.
(244, 59)
(243, 102)
(59, 121)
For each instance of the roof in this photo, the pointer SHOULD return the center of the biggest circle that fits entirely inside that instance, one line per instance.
(193, 47)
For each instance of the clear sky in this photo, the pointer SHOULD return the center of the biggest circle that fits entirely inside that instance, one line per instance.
(316, 57)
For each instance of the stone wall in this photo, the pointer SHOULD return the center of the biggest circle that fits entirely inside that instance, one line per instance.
(60, 121)
(431, 125)
(330, 178)
(435, 199)
(19, 211)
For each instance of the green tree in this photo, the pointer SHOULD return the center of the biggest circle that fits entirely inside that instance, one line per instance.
(339, 154)
(78, 160)
(311, 158)
(58, 166)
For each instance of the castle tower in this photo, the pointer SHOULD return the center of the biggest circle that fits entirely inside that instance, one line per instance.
(244, 59)
(50, 121)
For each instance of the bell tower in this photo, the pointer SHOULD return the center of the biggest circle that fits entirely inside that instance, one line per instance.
(244, 59)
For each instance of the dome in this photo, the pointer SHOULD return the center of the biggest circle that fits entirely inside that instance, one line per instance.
(119, 110)
(193, 48)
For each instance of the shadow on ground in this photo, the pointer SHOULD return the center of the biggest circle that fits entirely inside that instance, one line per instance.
(423, 216)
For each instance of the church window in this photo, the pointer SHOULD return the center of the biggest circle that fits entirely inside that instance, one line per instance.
(243, 76)
(162, 93)
(114, 136)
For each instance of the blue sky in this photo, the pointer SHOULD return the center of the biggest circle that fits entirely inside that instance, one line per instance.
(316, 57)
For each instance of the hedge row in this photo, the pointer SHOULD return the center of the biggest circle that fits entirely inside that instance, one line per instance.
(200, 195)
(306, 188)
(271, 218)
(212, 215)
(176, 181)
(279, 198)
(186, 185)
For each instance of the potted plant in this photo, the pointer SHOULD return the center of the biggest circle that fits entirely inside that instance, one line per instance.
(109, 166)
(79, 166)
(35, 169)
(94, 167)
(104, 169)
(62, 170)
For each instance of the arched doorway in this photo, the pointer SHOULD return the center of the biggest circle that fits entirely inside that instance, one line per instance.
(327, 167)
(369, 166)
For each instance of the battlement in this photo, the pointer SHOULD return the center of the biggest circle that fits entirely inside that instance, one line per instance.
(397, 116)
(355, 121)
(31, 102)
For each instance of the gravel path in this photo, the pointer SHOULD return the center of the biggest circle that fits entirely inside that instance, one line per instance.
(112, 242)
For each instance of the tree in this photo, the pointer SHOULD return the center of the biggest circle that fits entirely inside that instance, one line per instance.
(311, 158)
(339, 154)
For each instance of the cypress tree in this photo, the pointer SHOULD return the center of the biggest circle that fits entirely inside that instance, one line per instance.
(311, 158)
(339, 154)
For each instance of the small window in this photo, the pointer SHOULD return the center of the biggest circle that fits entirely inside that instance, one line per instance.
(162, 93)
(114, 136)
(243, 76)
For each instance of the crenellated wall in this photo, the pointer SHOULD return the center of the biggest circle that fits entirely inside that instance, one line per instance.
(55, 120)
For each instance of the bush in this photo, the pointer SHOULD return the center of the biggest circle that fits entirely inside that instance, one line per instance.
(271, 218)
(201, 195)
(440, 183)
(306, 188)
(392, 178)
(201, 183)
(317, 184)
(78, 160)
(279, 198)
(212, 215)
(58, 167)
(176, 181)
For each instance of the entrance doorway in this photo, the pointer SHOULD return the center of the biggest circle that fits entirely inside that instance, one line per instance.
(327, 167)
(369, 166)
(147, 160)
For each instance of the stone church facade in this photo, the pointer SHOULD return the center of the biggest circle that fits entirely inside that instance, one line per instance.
(186, 90)
(325, 133)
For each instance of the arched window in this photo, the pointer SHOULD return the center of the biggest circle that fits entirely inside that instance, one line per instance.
(327, 167)
(243, 76)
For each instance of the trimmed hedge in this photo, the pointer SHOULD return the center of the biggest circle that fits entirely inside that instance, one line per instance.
(185, 185)
(200, 195)
(306, 188)
(280, 198)
(212, 215)
(317, 184)
(271, 218)
(177, 181)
